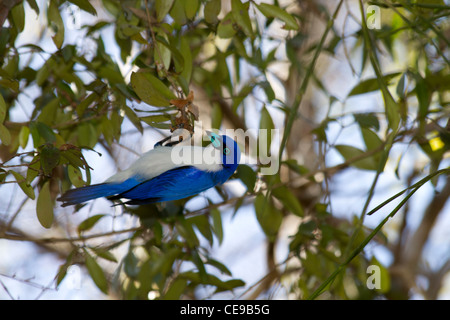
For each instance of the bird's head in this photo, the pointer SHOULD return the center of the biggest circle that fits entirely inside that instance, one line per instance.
(229, 149)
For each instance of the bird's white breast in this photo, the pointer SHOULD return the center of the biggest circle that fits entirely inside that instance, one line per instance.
(162, 159)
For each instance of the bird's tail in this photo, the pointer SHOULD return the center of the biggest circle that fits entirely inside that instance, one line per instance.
(83, 194)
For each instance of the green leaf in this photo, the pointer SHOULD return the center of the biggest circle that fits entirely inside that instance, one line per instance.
(178, 14)
(185, 51)
(151, 90)
(225, 29)
(268, 216)
(293, 165)
(3, 109)
(185, 229)
(384, 276)
(96, 272)
(209, 279)
(56, 22)
(266, 123)
(62, 270)
(5, 136)
(49, 156)
(219, 266)
(190, 8)
(371, 139)
(349, 152)
(370, 85)
(86, 103)
(176, 289)
(33, 169)
(270, 94)
(73, 157)
(217, 224)
(423, 95)
(288, 200)
(241, 16)
(247, 176)
(162, 53)
(34, 6)
(391, 108)
(162, 8)
(44, 206)
(216, 116)
(90, 222)
(367, 120)
(130, 265)
(41, 133)
(18, 17)
(75, 176)
(107, 130)
(87, 135)
(202, 224)
(23, 136)
(85, 5)
(273, 11)
(133, 118)
(24, 185)
(104, 253)
(212, 10)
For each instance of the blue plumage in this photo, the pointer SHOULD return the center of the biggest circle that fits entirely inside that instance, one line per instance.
(156, 178)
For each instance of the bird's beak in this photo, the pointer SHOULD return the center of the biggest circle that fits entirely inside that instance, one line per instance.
(216, 140)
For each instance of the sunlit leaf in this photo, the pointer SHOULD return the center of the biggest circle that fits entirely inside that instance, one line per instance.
(5, 135)
(190, 8)
(212, 10)
(23, 136)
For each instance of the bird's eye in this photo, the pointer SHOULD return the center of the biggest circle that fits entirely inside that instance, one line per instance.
(226, 151)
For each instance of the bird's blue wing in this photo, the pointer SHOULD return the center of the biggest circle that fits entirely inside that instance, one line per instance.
(174, 184)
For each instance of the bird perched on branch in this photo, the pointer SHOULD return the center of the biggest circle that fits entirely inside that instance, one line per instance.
(166, 173)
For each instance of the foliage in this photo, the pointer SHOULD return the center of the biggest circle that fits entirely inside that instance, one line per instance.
(227, 50)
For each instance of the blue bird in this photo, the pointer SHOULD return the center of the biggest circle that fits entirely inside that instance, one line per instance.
(166, 173)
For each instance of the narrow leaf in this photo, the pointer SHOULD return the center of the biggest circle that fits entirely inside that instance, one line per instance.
(349, 153)
(24, 185)
(3, 109)
(272, 11)
(44, 206)
(56, 22)
(89, 222)
(96, 272)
